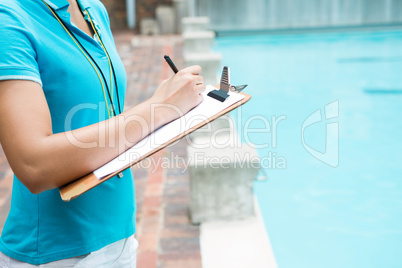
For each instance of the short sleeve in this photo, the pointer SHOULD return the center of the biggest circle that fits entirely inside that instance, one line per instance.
(17, 53)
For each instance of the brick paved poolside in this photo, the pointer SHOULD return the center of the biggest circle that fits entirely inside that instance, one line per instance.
(166, 237)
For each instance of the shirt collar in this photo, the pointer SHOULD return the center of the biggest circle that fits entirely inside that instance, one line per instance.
(59, 4)
(83, 4)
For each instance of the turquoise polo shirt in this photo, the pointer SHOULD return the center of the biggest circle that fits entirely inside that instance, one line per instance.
(34, 46)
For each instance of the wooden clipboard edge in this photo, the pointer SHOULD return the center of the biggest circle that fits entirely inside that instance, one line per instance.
(76, 188)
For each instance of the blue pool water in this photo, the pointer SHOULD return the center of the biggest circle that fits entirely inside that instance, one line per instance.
(348, 212)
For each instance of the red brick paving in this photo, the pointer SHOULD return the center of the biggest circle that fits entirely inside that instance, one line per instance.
(166, 237)
(6, 183)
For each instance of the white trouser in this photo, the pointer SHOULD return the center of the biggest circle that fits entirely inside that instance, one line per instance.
(121, 254)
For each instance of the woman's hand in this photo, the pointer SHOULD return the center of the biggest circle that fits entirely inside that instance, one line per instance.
(43, 160)
(179, 94)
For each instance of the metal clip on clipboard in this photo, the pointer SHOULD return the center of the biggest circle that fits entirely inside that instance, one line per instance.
(222, 93)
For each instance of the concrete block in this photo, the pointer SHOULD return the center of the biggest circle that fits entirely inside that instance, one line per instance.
(221, 182)
(165, 17)
(148, 26)
(181, 9)
(210, 63)
(198, 42)
(195, 24)
(220, 247)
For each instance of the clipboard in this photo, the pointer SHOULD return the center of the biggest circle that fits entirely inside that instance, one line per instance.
(87, 182)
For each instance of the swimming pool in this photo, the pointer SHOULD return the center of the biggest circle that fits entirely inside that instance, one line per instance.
(334, 161)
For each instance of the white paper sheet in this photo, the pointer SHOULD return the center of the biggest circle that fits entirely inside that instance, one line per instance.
(203, 111)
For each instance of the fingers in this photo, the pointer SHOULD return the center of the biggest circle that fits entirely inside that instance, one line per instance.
(191, 76)
(199, 84)
(200, 99)
(200, 88)
(198, 79)
(164, 81)
(195, 70)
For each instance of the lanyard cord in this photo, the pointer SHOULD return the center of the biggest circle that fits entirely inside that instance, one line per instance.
(110, 63)
(86, 54)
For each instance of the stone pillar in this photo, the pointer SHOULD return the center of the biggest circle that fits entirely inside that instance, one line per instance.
(181, 9)
(148, 26)
(198, 42)
(197, 48)
(222, 173)
(165, 17)
(195, 24)
(221, 182)
(210, 63)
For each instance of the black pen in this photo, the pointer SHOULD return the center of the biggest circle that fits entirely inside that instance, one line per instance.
(171, 64)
